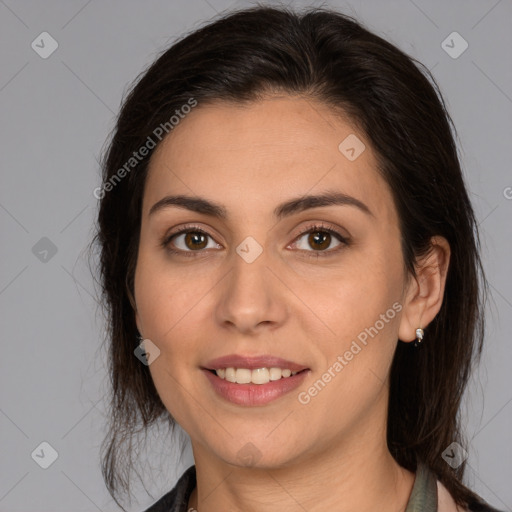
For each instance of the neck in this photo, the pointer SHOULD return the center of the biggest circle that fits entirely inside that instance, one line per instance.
(357, 474)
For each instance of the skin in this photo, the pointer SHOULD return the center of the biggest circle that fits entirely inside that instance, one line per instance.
(330, 453)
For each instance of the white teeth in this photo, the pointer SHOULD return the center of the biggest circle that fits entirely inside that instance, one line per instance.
(275, 373)
(256, 376)
(230, 374)
(260, 376)
(243, 376)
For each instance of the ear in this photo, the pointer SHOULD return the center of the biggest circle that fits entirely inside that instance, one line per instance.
(425, 291)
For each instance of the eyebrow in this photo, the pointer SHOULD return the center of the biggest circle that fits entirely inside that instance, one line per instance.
(201, 205)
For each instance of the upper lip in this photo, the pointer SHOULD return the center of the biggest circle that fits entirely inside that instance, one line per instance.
(253, 362)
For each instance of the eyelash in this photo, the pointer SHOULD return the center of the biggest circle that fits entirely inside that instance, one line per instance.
(190, 228)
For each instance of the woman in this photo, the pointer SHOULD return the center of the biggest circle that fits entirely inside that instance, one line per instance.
(291, 266)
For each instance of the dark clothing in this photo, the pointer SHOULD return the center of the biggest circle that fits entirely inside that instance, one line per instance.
(423, 497)
(177, 499)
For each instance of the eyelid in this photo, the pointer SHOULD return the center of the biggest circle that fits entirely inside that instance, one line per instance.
(322, 226)
(187, 227)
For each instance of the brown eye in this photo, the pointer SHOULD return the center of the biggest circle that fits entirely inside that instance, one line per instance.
(190, 241)
(319, 239)
(195, 240)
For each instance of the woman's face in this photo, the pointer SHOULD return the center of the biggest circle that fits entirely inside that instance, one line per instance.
(263, 281)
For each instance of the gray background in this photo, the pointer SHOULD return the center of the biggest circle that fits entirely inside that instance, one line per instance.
(55, 116)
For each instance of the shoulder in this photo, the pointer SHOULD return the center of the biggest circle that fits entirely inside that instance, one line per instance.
(447, 504)
(176, 500)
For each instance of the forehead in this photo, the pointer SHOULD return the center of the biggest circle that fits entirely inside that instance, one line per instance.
(264, 152)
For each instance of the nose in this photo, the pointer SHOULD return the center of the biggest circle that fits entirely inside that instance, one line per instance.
(251, 297)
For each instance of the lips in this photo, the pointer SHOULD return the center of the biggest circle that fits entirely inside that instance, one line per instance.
(251, 395)
(253, 362)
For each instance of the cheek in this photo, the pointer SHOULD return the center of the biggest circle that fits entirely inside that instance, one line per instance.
(362, 310)
(173, 307)
(163, 294)
(366, 286)
(165, 305)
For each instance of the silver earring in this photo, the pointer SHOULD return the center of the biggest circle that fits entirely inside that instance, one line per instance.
(419, 336)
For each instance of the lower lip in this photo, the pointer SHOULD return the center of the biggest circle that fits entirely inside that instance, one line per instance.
(254, 394)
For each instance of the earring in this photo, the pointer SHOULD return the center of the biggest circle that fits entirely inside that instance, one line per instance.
(419, 337)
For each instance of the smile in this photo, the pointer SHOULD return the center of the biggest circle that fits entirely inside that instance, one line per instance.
(256, 376)
(249, 393)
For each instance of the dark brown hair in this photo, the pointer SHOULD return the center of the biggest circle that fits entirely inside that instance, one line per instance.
(326, 56)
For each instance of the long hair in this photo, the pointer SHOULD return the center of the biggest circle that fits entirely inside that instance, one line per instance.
(329, 57)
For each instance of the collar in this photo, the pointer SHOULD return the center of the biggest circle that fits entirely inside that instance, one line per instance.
(424, 491)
